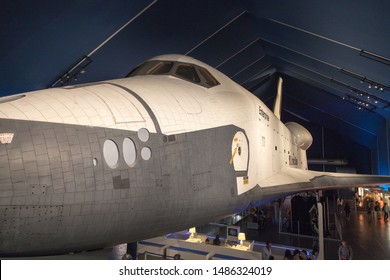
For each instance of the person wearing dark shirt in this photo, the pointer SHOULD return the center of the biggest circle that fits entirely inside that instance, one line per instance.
(216, 240)
(347, 210)
(345, 251)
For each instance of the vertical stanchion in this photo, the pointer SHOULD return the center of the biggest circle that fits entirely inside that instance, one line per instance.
(320, 228)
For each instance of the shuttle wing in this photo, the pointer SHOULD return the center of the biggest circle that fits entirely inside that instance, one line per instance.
(292, 180)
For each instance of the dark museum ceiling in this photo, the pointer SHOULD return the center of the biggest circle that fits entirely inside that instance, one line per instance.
(334, 56)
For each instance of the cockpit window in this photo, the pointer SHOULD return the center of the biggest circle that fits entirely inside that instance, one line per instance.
(161, 68)
(187, 72)
(152, 68)
(209, 79)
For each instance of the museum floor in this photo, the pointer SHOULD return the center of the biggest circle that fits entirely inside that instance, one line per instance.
(368, 236)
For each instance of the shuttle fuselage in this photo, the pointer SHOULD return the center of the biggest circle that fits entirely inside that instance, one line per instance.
(118, 161)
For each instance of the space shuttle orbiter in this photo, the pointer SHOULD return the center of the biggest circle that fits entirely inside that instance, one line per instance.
(175, 144)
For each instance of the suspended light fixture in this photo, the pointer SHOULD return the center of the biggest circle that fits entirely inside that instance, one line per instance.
(371, 83)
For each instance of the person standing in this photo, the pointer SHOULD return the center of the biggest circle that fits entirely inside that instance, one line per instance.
(266, 253)
(216, 240)
(370, 210)
(347, 210)
(340, 202)
(386, 212)
(377, 209)
(345, 251)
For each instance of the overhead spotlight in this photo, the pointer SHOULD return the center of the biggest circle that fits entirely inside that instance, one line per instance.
(381, 89)
(363, 80)
(82, 71)
(376, 101)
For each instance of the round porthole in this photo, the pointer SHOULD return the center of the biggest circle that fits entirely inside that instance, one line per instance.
(129, 152)
(143, 134)
(146, 153)
(111, 153)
